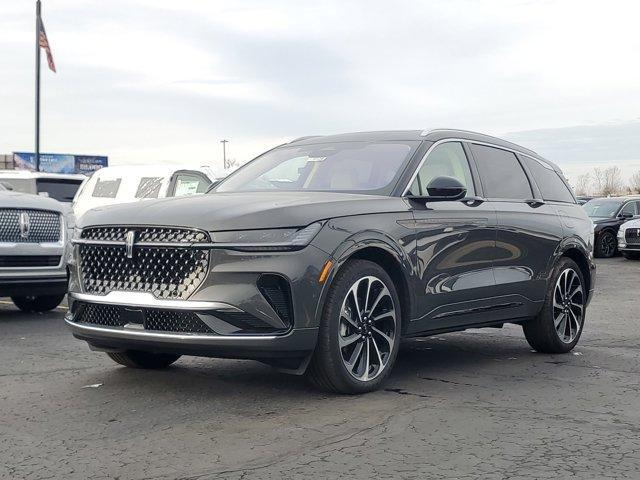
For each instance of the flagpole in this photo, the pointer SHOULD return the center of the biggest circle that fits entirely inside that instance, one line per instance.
(37, 159)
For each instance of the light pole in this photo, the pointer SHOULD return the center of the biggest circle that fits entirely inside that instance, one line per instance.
(224, 153)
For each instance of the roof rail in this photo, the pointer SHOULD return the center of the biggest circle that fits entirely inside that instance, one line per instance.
(304, 138)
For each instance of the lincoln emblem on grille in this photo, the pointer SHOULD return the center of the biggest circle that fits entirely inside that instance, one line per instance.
(129, 241)
(25, 224)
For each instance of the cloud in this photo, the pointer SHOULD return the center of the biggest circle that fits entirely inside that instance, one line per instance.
(141, 77)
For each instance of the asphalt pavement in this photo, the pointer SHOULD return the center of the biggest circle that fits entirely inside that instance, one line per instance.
(475, 404)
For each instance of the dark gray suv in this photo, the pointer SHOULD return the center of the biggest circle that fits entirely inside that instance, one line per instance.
(320, 255)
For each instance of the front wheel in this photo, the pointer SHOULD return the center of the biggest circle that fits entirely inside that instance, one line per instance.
(606, 245)
(359, 332)
(558, 326)
(40, 303)
(137, 359)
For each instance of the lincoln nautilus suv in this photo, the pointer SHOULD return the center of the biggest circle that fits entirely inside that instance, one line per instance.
(319, 256)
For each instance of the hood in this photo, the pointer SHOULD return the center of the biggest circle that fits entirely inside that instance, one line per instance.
(598, 220)
(242, 210)
(9, 199)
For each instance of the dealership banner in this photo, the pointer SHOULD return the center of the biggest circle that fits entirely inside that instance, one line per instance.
(60, 162)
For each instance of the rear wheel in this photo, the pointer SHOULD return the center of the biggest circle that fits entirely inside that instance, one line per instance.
(40, 303)
(137, 359)
(558, 326)
(359, 331)
(631, 255)
(606, 245)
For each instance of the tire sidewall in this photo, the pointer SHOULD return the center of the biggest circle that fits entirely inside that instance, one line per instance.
(350, 273)
(600, 243)
(562, 265)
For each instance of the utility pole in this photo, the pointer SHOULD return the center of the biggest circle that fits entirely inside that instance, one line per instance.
(224, 153)
(37, 159)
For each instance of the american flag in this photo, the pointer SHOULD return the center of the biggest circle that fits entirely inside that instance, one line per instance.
(44, 43)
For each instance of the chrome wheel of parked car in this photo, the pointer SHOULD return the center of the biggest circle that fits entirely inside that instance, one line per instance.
(568, 305)
(367, 330)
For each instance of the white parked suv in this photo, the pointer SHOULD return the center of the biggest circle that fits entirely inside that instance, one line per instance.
(33, 236)
(629, 239)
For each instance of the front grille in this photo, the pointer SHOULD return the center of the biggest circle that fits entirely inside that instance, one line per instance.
(13, 261)
(38, 226)
(151, 319)
(165, 272)
(632, 236)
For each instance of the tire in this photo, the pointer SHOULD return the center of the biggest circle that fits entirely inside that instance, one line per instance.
(41, 303)
(606, 245)
(547, 333)
(631, 255)
(147, 360)
(339, 363)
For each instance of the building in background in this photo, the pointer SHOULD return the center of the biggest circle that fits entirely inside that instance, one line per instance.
(54, 162)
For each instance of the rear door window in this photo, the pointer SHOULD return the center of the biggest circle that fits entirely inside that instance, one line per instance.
(106, 188)
(549, 182)
(501, 174)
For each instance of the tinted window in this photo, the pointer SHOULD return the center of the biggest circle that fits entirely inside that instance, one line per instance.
(190, 184)
(61, 190)
(363, 167)
(549, 182)
(149, 187)
(629, 208)
(501, 173)
(448, 160)
(106, 188)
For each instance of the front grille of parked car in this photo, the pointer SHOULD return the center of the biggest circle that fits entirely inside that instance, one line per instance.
(14, 261)
(150, 319)
(167, 272)
(632, 236)
(29, 226)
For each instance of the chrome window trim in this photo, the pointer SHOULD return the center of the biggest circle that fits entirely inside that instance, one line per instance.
(147, 300)
(462, 140)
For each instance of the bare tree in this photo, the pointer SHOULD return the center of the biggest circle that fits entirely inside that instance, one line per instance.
(611, 180)
(583, 186)
(598, 180)
(634, 183)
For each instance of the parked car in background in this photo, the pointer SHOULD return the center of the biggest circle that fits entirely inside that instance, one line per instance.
(123, 184)
(59, 186)
(321, 254)
(33, 238)
(608, 214)
(583, 199)
(629, 239)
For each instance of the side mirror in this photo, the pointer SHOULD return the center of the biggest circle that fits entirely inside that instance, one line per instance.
(442, 189)
(626, 215)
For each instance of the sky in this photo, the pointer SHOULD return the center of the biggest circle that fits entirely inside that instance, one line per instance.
(147, 81)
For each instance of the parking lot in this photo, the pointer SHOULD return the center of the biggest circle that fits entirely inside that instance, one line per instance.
(464, 405)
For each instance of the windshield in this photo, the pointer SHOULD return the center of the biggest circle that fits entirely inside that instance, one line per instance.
(61, 190)
(602, 208)
(356, 167)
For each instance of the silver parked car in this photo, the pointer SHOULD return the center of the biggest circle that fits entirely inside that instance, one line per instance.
(33, 238)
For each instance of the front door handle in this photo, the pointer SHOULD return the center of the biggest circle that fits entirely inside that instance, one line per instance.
(534, 202)
(473, 201)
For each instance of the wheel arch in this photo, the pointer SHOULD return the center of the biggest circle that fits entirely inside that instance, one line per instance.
(387, 255)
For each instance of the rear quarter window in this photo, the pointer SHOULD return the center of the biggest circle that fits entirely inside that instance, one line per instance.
(549, 182)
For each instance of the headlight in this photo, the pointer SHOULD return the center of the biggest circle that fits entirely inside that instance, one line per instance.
(276, 239)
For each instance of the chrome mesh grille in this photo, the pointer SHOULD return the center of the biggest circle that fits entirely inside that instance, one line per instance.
(632, 236)
(166, 272)
(43, 226)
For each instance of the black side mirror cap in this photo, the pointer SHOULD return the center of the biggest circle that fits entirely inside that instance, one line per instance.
(443, 189)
